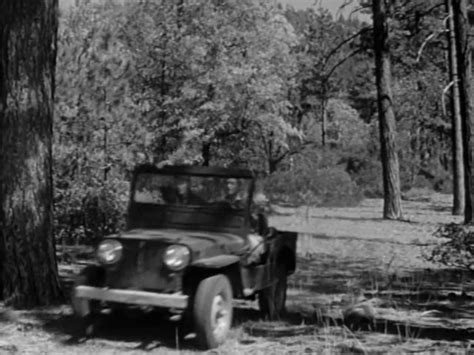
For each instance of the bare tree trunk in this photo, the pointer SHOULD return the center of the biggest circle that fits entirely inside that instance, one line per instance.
(389, 154)
(28, 267)
(463, 50)
(458, 163)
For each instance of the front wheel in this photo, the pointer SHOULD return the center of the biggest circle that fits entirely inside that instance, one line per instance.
(271, 300)
(212, 311)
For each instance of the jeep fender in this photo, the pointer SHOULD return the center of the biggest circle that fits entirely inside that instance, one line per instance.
(216, 262)
(220, 264)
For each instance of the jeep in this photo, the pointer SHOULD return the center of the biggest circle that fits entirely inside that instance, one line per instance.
(195, 240)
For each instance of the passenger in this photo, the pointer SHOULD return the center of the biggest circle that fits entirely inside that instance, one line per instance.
(256, 245)
(184, 195)
(198, 188)
(259, 227)
(258, 213)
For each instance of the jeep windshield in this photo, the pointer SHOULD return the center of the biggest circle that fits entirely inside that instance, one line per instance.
(190, 190)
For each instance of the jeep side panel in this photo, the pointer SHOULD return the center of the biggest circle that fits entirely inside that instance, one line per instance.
(281, 248)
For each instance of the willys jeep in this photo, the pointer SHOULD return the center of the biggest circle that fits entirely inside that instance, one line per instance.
(194, 242)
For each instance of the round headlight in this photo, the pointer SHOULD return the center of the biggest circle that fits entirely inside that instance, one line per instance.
(109, 251)
(176, 257)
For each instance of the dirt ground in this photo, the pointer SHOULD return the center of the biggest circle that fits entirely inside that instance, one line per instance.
(350, 262)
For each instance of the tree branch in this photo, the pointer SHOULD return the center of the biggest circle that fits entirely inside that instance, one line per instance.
(328, 75)
(293, 152)
(425, 42)
(445, 91)
(335, 49)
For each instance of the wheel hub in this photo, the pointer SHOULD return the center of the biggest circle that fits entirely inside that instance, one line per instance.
(219, 316)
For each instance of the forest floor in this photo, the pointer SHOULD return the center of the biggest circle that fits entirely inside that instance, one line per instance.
(349, 258)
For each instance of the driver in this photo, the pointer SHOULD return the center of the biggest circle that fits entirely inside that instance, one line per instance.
(233, 194)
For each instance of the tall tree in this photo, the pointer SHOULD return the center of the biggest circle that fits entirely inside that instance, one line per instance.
(389, 155)
(461, 29)
(28, 267)
(223, 81)
(458, 163)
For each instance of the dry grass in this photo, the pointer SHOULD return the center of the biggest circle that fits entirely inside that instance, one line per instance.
(348, 257)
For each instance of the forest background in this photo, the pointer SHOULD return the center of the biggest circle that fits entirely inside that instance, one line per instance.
(287, 93)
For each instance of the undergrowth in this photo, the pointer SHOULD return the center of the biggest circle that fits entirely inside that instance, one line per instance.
(457, 247)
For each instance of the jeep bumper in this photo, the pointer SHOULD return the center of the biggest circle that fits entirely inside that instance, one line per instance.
(135, 297)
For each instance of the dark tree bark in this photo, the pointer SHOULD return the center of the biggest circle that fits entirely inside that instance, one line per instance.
(456, 121)
(324, 117)
(389, 154)
(28, 269)
(463, 50)
(206, 153)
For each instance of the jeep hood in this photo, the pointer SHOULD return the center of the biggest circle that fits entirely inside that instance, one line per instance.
(196, 240)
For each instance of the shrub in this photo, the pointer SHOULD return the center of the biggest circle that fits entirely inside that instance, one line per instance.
(84, 214)
(328, 186)
(457, 248)
(367, 175)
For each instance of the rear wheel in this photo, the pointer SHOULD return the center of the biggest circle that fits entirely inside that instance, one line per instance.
(87, 311)
(271, 300)
(212, 311)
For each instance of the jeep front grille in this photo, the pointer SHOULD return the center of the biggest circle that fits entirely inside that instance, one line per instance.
(142, 268)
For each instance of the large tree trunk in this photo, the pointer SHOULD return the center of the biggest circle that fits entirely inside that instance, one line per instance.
(27, 62)
(456, 121)
(389, 154)
(461, 27)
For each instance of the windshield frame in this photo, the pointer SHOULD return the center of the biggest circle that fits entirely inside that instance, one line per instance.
(217, 210)
(191, 190)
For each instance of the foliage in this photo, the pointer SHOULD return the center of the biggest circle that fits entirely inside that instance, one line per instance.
(213, 76)
(238, 83)
(345, 129)
(420, 72)
(98, 134)
(164, 83)
(457, 250)
(84, 214)
(314, 179)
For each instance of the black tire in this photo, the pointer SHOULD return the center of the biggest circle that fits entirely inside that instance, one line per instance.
(272, 299)
(212, 311)
(87, 312)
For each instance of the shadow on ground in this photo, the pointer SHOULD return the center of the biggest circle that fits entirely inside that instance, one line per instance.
(146, 331)
(135, 329)
(436, 304)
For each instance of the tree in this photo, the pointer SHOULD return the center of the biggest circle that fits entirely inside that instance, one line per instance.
(28, 267)
(463, 50)
(456, 119)
(325, 47)
(389, 157)
(99, 131)
(164, 82)
(216, 77)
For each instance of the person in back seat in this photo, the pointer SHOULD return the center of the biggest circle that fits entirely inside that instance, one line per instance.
(184, 195)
